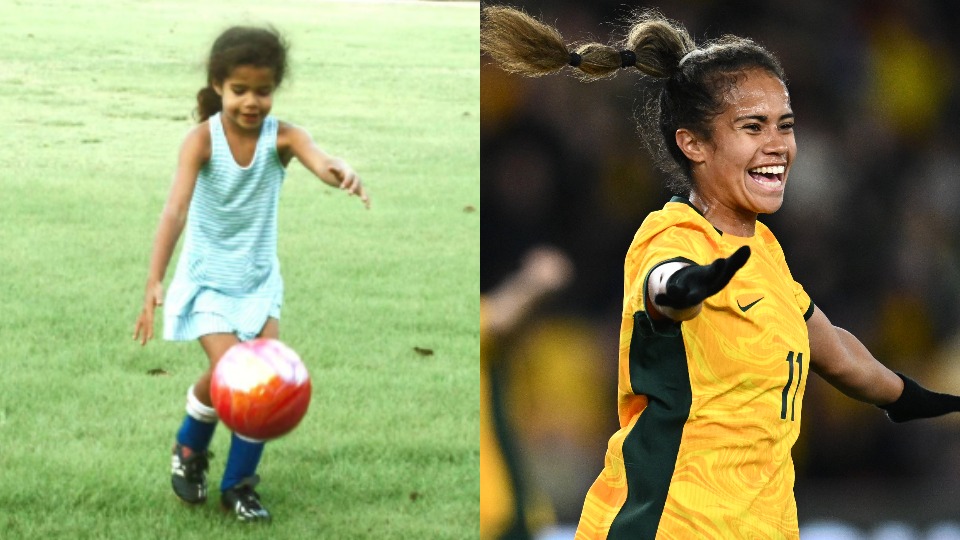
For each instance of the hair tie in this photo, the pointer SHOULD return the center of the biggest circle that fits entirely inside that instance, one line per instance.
(627, 58)
(686, 57)
(575, 59)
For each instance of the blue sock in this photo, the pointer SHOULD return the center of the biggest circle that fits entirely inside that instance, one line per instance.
(197, 428)
(195, 434)
(242, 461)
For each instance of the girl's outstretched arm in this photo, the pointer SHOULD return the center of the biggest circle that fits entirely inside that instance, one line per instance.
(194, 152)
(333, 171)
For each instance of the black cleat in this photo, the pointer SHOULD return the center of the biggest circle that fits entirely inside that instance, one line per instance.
(189, 474)
(244, 502)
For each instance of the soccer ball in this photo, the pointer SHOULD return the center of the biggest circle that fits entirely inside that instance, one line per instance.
(260, 389)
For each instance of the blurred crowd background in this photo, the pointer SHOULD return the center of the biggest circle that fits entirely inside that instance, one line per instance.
(870, 227)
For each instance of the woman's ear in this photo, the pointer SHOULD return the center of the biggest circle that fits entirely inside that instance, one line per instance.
(691, 145)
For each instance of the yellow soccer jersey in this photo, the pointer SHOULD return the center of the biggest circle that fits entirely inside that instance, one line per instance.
(709, 408)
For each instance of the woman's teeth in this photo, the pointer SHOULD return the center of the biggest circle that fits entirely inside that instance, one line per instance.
(776, 169)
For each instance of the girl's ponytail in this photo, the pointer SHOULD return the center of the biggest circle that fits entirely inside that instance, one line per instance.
(209, 103)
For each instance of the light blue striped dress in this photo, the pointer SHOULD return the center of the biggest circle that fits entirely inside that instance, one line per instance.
(228, 276)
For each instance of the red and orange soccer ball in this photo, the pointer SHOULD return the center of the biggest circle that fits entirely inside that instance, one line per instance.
(260, 389)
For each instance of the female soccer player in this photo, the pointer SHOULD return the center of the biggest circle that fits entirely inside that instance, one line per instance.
(227, 287)
(509, 508)
(717, 340)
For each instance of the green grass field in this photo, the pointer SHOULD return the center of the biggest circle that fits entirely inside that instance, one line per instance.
(96, 98)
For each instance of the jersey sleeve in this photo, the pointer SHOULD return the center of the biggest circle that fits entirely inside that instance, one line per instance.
(804, 302)
(668, 245)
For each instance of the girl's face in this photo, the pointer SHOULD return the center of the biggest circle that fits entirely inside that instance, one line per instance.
(742, 170)
(247, 95)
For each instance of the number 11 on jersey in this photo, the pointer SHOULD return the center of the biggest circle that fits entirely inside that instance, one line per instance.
(786, 389)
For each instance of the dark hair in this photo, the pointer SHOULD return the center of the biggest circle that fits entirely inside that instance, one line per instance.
(238, 46)
(691, 81)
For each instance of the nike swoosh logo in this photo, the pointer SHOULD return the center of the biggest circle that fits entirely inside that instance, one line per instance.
(748, 306)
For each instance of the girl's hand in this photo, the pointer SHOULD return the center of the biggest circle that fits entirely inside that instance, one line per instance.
(153, 298)
(350, 182)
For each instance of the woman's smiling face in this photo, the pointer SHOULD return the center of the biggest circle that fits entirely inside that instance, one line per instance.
(742, 169)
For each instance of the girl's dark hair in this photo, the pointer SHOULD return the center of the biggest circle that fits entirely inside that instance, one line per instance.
(238, 46)
(690, 81)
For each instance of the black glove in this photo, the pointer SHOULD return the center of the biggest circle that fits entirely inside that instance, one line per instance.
(918, 402)
(693, 284)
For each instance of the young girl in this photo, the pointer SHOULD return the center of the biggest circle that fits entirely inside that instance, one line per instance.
(717, 340)
(227, 287)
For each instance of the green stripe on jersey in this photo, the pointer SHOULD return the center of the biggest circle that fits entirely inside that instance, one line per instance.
(658, 370)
